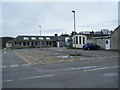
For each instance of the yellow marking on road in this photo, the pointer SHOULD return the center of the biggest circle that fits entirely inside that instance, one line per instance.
(71, 60)
(22, 58)
(61, 61)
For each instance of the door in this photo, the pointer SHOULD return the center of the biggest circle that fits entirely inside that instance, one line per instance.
(107, 44)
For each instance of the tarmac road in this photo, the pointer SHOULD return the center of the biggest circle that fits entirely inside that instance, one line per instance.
(96, 69)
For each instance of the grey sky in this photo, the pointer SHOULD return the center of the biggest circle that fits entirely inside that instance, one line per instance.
(25, 17)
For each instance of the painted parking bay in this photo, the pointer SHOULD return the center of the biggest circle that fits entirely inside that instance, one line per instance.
(43, 56)
(33, 56)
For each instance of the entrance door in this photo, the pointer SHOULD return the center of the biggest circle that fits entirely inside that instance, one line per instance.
(55, 43)
(107, 44)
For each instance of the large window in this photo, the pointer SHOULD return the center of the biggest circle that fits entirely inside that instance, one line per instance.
(79, 39)
(76, 39)
(83, 40)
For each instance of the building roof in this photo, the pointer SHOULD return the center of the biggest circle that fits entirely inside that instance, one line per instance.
(103, 37)
(116, 29)
(52, 38)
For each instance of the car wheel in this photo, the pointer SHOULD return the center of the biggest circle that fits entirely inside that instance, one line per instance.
(98, 48)
(88, 48)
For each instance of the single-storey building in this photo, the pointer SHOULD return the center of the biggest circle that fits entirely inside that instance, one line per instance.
(4, 40)
(111, 42)
(39, 41)
(79, 40)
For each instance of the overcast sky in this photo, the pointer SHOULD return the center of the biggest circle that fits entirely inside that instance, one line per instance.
(24, 18)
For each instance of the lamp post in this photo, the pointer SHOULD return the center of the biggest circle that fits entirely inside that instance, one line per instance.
(74, 30)
(40, 30)
(40, 35)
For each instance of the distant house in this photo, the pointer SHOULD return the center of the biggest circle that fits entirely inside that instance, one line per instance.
(4, 40)
(111, 42)
(38, 41)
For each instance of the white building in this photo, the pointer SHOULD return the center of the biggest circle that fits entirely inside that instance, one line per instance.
(79, 40)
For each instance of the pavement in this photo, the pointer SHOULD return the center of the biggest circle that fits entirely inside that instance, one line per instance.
(56, 68)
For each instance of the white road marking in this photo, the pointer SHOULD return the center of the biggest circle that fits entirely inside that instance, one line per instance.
(7, 81)
(29, 78)
(101, 68)
(37, 77)
(81, 68)
(14, 65)
(26, 65)
(4, 52)
(3, 66)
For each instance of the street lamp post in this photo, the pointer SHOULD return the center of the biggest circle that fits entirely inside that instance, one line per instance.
(74, 30)
(40, 30)
(40, 36)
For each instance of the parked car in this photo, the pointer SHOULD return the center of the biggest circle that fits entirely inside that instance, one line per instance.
(89, 46)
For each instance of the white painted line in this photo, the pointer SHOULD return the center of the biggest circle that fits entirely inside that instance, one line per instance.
(25, 64)
(14, 65)
(30, 78)
(37, 77)
(4, 52)
(3, 66)
(101, 68)
(7, 81)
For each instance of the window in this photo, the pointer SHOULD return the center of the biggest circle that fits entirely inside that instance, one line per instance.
(50, 43)
(106, 41)
(79, 39)
(25, 38)
(76, 39)
(47, 38)
(33, 38)
(28, 43)
(47, 43)
(32, 43)
(20, 43)
(40, 38)
(36, 43)
(15, 43)
(23, 43)
(83, 40)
